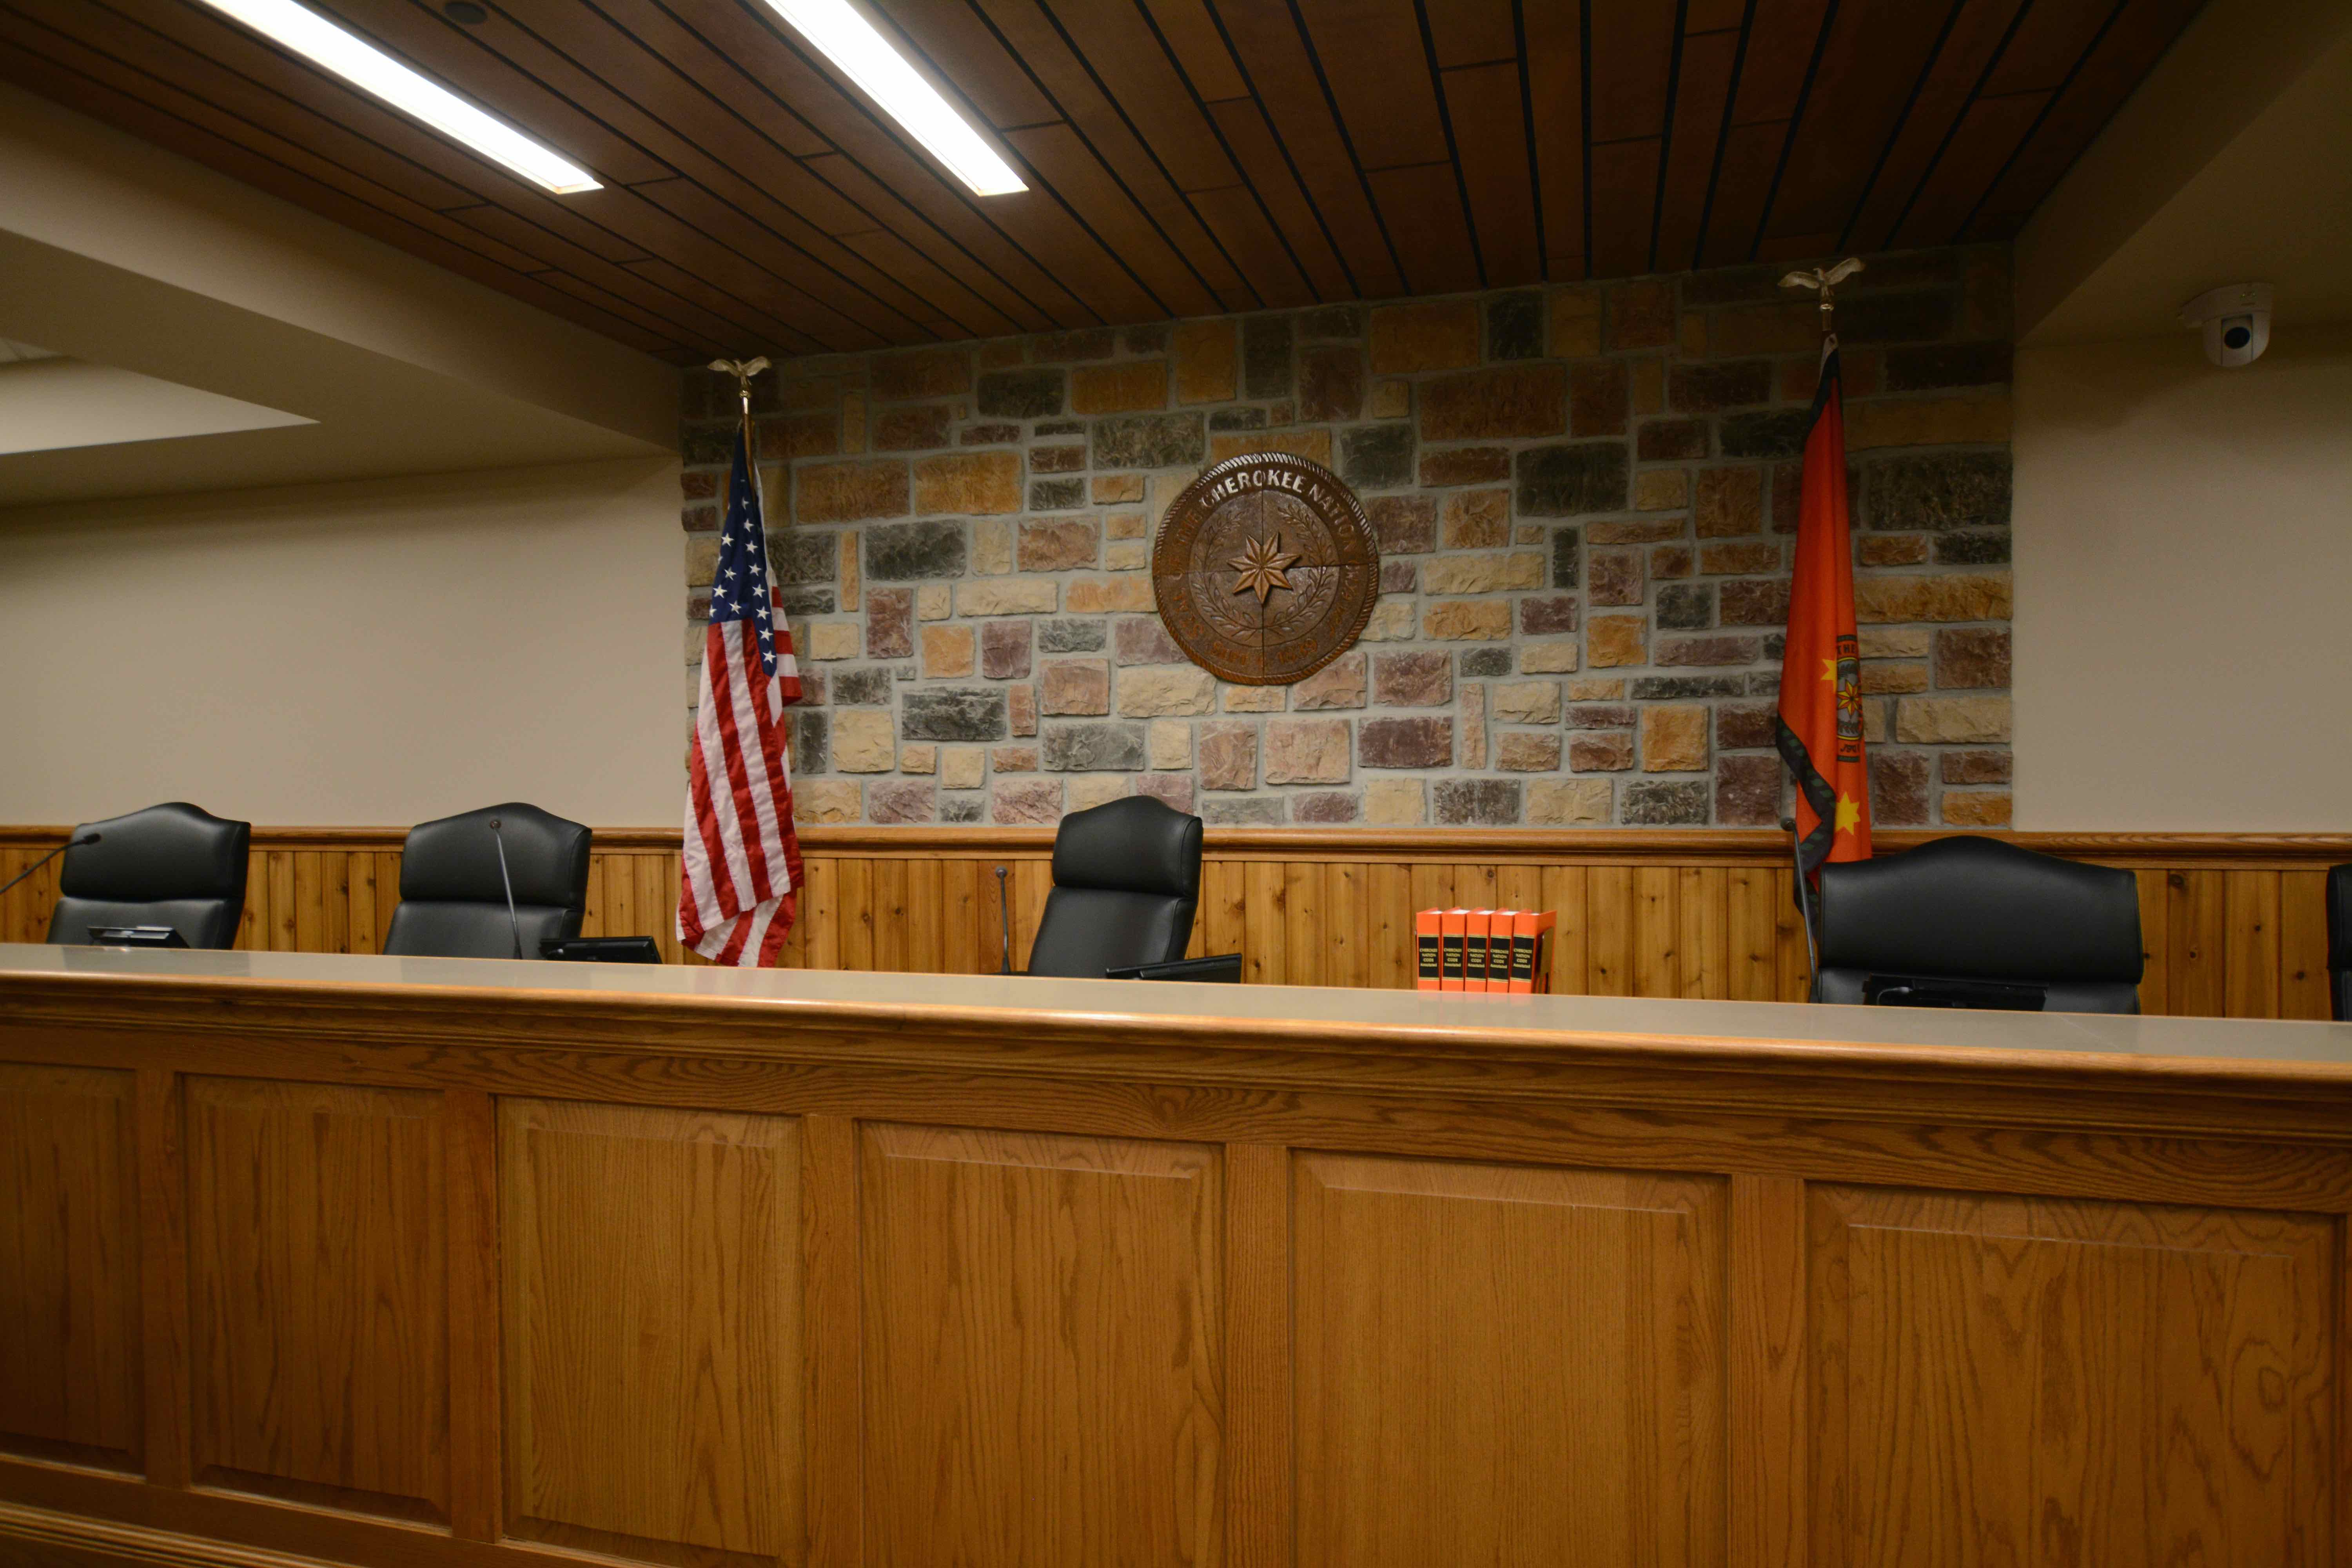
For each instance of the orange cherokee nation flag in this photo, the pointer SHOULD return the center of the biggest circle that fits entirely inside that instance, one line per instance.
(1820, 727)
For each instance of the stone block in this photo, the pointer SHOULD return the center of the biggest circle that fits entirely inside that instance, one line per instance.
(1315, 446)
(1934, 491)
(1108, 747)
(1393, 803)
(1658, 804)
(1115, 487)
(1057, 460)
(1005, 649)
(1332, 385)
(1744, 726)
(1140, 639)
(1526, 701)
(1026, 801)
(1020, 393)
(1674, 739)
(1568, 803)
(1597, 688)
(1391, 400)
(811, 740)
(1306, 751)
(947, 651)
(834, 639)
(916, 552)
(1108, 596)
(1548, 617)
(1059, 545)
(1228, 756)
(1412, 680)
(1473, 712)
(1376, 457)
(916, 429)
(1768, 432)
(961, 767)
(1709, 388)
(992, 547)
(1989, 548)
(826, 800)
(1400, 577)
(1125, 387)
(991, 434)
(1611, 640)
(890, 623)
(1598, 396)
(1514, 326)
(1251, 698)
(1616, 577)
(1570, 480)
(1661, 489)
(1895, 642)
(850, 492)
(1785, 328)
(1670, 561)
(1575, 322)
(1715, 650)
(1686, 606)
(863, 741)
(1898, 789)
(1074, 685)
(1466, 620)
(1149, 440)
(921, 373)
(1527, 752)
(1601, 751)
(1392, 621)
(1929, 366)
(1928, 421)
(1762, 603)
(1895, 318)
(1169, 744)
(1946, 721)
(1748, 792)
(1477, 520)
(1437, 334)
(1090, 790)
(1171, 790)
(1406, 742)
(1338, 685)
(1324, 807)
(1265, 356)
(1566, 558)
(1206, 363)
(1560, 656)
(1743, 558)
(1977, 808)
(1641, 316)
(869, 687)
(1013, 759)
(1952, 597)
(796, 556)
(1892, 549)
(1006, 596)
(1501, 401)
(890, 802)
(1685, 687)
(1158, 691)
(1477, 663)
(1261, 811)
(1485, 572)
(1972, 656)
(1465, 466)
(1128, 525)
(1404, 525)
(1479, 802)
(1056, 495)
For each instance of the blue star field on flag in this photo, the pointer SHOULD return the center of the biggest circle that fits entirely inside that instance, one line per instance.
(739, 587)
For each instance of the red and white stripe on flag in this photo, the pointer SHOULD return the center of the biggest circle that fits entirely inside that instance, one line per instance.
(738, 891)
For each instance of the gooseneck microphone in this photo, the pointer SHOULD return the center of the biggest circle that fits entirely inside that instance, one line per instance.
(514, 922)
(1004, 922)
(68, 844)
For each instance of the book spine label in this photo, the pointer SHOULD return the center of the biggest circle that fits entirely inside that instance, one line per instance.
(1451, 961)
(1427, 945)
(1523, 960)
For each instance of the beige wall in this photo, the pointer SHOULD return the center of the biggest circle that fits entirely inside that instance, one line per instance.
(2184, 647)
(369, 653)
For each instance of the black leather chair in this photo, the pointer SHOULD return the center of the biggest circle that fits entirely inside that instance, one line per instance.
(175, 864)
(453, 903)
(2339, 942)
(1127, 880)
(1969, 922)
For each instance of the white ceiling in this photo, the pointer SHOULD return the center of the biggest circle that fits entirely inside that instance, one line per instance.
(49, 404)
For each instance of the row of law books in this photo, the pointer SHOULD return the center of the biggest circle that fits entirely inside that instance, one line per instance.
(1484, 950)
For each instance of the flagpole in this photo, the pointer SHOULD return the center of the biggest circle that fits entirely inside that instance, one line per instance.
(743, 370)
(1823, 280)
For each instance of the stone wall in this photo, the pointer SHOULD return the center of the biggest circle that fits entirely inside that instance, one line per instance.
(1583, 497)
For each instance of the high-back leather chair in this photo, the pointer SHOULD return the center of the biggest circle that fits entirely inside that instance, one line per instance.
(2339, 942)
(1981, 913)
(1127, 880)
(453, 903)
(174, 865)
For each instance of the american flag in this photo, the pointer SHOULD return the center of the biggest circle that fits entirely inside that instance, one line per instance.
(740, 890)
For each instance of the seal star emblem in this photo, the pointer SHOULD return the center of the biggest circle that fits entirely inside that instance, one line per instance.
(1261, 564)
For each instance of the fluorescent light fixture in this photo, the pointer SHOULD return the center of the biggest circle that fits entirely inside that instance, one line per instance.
(864, 57)
(370, 70)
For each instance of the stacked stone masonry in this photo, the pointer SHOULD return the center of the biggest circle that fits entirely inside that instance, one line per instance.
(1584, 497)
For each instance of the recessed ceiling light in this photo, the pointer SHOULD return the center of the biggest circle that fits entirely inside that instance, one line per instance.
(369, 68)
(850, 42)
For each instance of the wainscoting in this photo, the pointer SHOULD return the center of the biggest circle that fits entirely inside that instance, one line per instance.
(2234, 924)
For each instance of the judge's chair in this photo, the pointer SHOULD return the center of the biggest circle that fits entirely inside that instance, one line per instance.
(2339, 942)
(1127, 880)
(1974, 923)
(453, 897)
(175, 864)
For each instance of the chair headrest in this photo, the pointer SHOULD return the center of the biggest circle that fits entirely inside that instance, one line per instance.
(454, 860)
(171, 851)
(2339, 917)
(1134, 843)
(1974, 906)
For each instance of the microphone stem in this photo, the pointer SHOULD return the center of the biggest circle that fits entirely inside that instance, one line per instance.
(70, 844)
(514, 922)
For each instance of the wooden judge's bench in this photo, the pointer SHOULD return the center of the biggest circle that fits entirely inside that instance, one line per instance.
(427, 1261)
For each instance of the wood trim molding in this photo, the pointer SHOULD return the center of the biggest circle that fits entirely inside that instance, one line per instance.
(1631, 845)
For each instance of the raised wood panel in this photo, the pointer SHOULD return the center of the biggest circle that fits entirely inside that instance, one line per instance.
(2232, 928)
(1042, 1350)
(317, 1294)
(70, 1290)
(1505, 1364)
(2012, 1379)
(652, 1312)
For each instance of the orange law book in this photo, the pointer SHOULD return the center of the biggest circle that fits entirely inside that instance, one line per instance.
(1474, 950)
(1531, 949)
(1452, 928)
(1498, 949)
(1425, 939)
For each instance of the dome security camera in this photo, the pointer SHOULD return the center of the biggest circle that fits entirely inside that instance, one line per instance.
(2235, 319)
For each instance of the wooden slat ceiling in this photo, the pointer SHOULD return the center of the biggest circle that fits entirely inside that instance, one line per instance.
(1185, 157)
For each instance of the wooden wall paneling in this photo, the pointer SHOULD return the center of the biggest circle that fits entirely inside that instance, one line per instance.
(1033, 879)
(893, 932)
(69, 1265)
(471, 1184)
(1796, 954)
(622, 917)
(657, 887)
(1703, 928)
(1770, 1441)
(2141, 1384)
(2156, 948)
(831, 1328)
(1751, 935)
(1564, 891)
(387, 892)
(1043, 1347)
(2250, 906)
(1266, 958)
(2304, 986)
(164, 1347)
(1476, 887)
(1608, 931)
(1259, 1384)
(651, 1298)
(318, 1300)
(1226, 898)
(283, 932)
(1414, 1280)
(1307, 955)
(1657, 968)
(1347, 924)
(1389, 926)
(2195, 926)
(926, 909)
